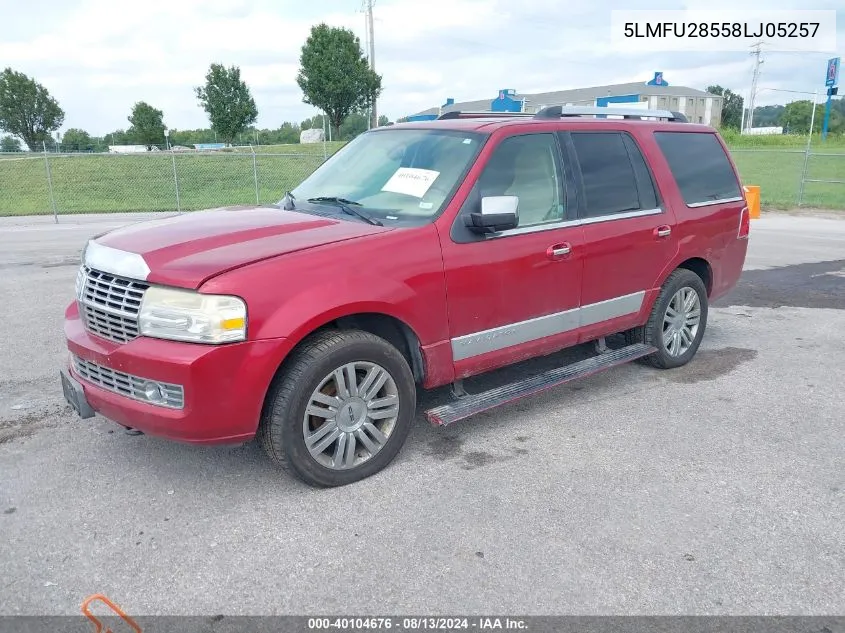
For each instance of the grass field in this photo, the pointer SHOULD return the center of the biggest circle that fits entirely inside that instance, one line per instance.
(778, 173)
(91, 183)
(735, 140)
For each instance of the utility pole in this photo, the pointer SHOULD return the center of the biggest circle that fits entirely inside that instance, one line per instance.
(373, 113)
(756, 76)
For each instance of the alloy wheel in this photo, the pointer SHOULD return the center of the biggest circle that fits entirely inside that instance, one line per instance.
(351, 415)
(681, 321)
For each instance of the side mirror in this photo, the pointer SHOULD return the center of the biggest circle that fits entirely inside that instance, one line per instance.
(498, 213)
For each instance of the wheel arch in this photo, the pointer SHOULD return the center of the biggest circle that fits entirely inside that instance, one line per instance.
(392, 329)
(702, 268)
(698, 265)
(387, 326)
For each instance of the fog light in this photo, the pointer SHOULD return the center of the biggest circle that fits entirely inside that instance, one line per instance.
(154, 392)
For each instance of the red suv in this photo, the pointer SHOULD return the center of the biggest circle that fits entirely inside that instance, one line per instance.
(416, 256)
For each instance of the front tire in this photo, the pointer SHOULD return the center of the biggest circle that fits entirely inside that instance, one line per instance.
(677, 321)
(340, 410)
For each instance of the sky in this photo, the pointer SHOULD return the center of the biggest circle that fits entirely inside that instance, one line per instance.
(99, 57)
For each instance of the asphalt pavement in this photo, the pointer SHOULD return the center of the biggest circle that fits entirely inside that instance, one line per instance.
(717, 488)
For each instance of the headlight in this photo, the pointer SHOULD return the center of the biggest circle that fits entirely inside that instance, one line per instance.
(185, 315)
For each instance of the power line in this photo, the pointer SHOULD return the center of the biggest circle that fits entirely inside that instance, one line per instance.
(798, 92)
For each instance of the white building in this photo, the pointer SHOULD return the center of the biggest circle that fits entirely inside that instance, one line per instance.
(656, 94)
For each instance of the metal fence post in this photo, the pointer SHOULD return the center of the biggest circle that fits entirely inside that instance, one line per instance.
(175, 181)
(807, 151)
(803, 174)
(255, 174)
(50, 183)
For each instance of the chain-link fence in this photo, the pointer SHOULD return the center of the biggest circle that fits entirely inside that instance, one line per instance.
(791, 178)
(61, 184)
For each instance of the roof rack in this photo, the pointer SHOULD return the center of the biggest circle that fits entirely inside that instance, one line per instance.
(467, 114)
(556, 112)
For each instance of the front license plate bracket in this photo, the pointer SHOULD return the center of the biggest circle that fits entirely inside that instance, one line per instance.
(75, 395)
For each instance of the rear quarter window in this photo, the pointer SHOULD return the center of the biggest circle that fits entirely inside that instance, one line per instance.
(700, 166)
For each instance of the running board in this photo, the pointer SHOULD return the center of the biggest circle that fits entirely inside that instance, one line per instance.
(470, 405)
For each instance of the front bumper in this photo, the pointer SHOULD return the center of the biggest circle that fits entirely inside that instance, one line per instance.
(224, 385)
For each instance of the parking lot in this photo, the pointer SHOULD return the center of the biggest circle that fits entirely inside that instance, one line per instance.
(717, 488)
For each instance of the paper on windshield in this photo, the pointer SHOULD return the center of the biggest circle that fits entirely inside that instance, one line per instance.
(411, 181)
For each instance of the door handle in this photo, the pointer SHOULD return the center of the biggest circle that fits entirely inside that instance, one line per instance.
(663, 231)
(559, 250)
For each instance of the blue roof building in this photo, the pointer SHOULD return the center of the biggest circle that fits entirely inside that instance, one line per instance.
(655, 94)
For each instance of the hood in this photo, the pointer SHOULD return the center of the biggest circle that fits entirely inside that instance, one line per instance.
(188, 249)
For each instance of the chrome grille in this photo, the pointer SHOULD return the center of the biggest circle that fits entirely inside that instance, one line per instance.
(128, 385)
(110, 304)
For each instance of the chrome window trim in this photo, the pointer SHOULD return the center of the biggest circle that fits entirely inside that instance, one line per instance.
(508, 335)
(550, 226)
(534, 228)
(710, 203)
(622, 216)
(115, 261)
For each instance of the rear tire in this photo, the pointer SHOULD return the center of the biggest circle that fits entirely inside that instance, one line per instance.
(677, 321)
(340, 410)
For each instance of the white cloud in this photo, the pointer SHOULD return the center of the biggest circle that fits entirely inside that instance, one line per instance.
(98, 57)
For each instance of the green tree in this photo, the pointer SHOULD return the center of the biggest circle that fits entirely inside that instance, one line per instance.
(355, 124)
(334, 75)
(732, 105)
(27, 110)
(10, 144)
(383, 120)
(118, 137)
(227, 101)
(287, 133)
(766, 116)
(76, 140)
(314, 123)
(191, 137)
(796, 118)
(147, 125)
(836, 125)
(49, 143)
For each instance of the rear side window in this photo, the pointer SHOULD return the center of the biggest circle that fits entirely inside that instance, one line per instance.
(700, 166)
(611, 166)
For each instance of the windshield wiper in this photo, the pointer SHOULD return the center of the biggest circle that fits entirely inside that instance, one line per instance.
(346, 206)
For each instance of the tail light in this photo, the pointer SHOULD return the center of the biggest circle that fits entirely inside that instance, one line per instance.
(744, 224)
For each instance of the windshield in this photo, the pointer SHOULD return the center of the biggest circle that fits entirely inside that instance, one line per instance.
(394, 174)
